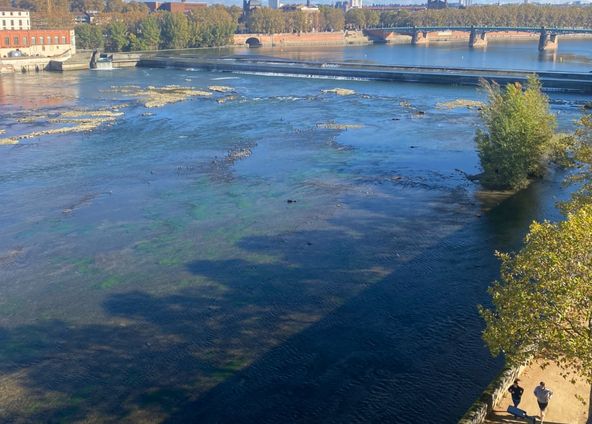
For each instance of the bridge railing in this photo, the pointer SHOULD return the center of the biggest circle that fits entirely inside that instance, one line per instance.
(575, 30)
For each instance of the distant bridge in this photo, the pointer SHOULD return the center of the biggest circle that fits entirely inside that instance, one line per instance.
(548, 37)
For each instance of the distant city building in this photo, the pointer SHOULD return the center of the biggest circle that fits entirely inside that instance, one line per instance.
(17, 19)
(249, 5)
(175, 7)
(40, 42)
(343, 5)
(275, 4)
(437, 4)
(88, 17)
(355, 4)
(395, 7)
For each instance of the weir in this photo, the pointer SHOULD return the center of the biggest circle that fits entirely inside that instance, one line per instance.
(561, 81)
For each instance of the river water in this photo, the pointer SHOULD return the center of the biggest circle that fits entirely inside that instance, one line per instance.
(280, 255)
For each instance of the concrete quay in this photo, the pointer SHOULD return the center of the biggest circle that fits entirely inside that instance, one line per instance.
(560, 81)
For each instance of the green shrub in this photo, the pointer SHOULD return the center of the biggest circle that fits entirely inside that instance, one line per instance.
(519, 136)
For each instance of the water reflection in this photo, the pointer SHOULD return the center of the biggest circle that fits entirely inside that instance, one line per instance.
(33, 91)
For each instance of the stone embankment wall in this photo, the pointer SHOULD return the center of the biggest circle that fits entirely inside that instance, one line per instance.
(24, 64)
(491, 396)
(304, 39)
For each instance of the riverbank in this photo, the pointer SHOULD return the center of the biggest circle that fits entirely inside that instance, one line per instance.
(564, 407)
(343, 38)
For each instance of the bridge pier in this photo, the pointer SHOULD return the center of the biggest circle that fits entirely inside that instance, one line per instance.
(548, 41)
(419, 37)
(477, 39)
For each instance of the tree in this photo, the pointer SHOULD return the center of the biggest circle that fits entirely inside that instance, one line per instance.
(174, 31)
(89, 37)
(332, 19)
(519, 135)
(582, 159)
(372, 18)
(543, 301)
(266, 21)
(356, 18)
(211, 27)
(148, 34)
(116, 6)
(116, 37)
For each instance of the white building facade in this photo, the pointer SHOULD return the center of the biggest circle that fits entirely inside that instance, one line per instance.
(15, 19)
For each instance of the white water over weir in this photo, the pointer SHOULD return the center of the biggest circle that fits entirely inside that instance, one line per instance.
(551, 80)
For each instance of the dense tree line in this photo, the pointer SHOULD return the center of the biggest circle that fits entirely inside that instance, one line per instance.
(529, 15)
(331, 19)
(208, 27)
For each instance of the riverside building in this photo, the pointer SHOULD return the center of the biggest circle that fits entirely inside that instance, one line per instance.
(37, 42)
(16, 19)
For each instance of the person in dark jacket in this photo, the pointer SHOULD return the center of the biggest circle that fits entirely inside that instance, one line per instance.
(516, 392)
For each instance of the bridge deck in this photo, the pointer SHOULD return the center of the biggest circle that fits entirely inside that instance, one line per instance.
(484, 29)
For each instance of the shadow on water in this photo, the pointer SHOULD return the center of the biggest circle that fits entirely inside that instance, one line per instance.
(279, 345)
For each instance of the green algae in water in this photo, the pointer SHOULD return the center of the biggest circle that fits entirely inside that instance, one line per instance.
(86, 266)
(109, 283)
(199, 212)
(170, 261)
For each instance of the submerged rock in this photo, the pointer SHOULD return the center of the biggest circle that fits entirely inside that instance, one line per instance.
(80, 120)
(160, 96)
(339, 91)
(226, 99)
(335, 126)
(221, 88)
(453, 104)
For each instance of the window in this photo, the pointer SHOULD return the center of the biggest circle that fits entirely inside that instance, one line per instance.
(12, 22)
(25, 41)
(63, 39)
(41, 40)
(16, 41)
(56, 40)
(33, 41)
(7, 41)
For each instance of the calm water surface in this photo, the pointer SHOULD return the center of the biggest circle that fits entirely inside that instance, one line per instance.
(248, 260)
(572, 55)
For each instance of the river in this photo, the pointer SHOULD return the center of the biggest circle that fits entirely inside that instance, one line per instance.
(281, 254)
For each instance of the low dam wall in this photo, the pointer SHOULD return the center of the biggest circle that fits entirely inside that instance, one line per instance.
(564, 81)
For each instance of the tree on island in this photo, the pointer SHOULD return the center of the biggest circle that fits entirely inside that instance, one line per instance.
(519, 136)
(542, 303)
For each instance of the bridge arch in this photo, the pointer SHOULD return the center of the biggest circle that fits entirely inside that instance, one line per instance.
(253, 42)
